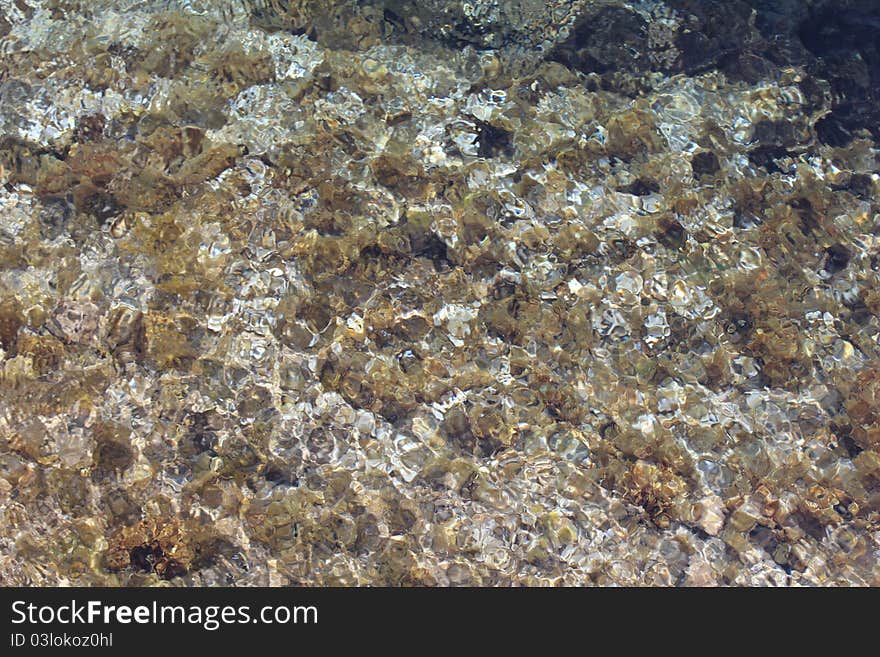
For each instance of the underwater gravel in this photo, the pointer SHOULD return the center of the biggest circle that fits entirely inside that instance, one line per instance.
(439, 293)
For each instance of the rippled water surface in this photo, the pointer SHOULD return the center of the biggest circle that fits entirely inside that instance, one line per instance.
(300, 292)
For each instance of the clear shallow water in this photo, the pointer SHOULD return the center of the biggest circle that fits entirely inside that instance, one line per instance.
(341, 293)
